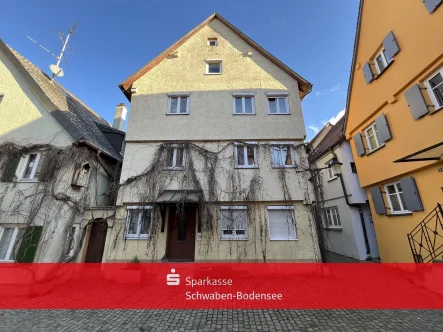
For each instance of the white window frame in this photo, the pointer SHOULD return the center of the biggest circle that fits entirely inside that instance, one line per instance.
(281, 207)
(76, 229)
(213, 40)
(331, 212)
(243, 96)
(212, 61)
(138, 235)
(384, 60)
(397, 193)
(179, 97)
(174, 158)
(234, 236)
(331, 174)
(280, 145)
(431, 91)
(21, 169)
(245, 144)
(11, 243)
(368, 142)
(278, 95)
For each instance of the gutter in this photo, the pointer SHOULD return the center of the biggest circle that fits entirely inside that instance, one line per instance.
(360, 211)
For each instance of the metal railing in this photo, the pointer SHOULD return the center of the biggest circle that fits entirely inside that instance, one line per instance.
(426, 239)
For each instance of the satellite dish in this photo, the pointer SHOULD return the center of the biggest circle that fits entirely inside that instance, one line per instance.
(56, 70)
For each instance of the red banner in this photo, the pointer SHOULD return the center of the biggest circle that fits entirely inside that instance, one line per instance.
(220, 285)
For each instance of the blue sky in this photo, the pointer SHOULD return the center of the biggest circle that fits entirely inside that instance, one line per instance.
(115, 38)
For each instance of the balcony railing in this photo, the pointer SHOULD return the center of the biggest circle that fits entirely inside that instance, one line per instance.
(426, 239)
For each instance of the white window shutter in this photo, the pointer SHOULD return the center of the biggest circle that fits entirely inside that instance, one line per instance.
(281, 225)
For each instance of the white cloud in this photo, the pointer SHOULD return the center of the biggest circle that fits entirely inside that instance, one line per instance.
(335, 88)
(315, 129)
(335, 119)
(317, 93)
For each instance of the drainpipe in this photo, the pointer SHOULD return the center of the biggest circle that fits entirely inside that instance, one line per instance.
(360, 211)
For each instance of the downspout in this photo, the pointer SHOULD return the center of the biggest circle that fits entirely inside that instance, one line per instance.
(360, 211)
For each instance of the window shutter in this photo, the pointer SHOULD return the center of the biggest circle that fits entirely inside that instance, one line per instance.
(281, 225)
(10, 169)
(359, 144)
(45, 170)
(390, 45)
(416, 102)
(432, 5)
(383, 128)
(377, 198)
(367, 71)
(28, 246)
(410, 194)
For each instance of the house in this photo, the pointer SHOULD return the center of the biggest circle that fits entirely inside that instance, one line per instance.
(214, 159)
(59, 168)
(347, 222)
(393, 121)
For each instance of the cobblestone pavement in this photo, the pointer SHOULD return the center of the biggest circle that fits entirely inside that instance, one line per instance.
(221, 320)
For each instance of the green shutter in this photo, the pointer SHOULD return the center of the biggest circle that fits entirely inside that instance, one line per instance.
(10, 168)
(28, 246)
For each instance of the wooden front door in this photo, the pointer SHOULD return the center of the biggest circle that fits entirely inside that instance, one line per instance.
(96, 243)
(181, 233)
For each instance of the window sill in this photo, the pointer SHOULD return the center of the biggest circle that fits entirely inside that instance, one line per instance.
(279, 113)
(234, 239)
(334, 228)
(8, 261)
(436, 110)
(246, 167)
(233, 113)
(213, 73)
(278, 167)
(378, 74)
(174, 168)
(27, 181)
(177, 113)
(332, 179)
(137, 238)
(397, 214)
(283, 239)
(376, 149)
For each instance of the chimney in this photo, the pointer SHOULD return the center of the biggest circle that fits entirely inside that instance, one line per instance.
(120, 116)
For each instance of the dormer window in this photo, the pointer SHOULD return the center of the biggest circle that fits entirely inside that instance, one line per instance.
(212, 42)
(213, 66)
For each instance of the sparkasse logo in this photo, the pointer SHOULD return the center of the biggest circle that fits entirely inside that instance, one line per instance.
(173, 279)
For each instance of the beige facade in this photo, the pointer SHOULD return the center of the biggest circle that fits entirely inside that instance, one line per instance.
(209, 134)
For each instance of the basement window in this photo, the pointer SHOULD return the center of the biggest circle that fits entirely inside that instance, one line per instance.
(213, 66)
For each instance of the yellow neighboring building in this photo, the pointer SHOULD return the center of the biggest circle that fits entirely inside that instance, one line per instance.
(394, 121)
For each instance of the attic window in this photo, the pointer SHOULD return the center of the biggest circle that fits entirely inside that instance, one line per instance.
(81, 175)
(212, 42)
(213, 66)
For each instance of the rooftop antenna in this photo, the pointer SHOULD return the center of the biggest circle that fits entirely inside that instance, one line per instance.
(55, 69)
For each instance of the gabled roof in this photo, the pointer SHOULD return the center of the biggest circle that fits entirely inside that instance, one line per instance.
(76, 118)
(304, 86)
(313, 139)
(354, 59)
(334, 137)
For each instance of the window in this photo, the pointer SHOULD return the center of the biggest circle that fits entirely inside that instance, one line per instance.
(71, 240)
(1, 97)
(331, 217)
(8, 238)
(353, 167)
(213, 66)
(373, 137)
(278, 104)
(281, 223)
(81, 175)
(175, 157)
(178, 104)
(331, 173)
(29, 169)
(283, 155)
(394, 192)
(435, 88)
(245, 155)
(234, 222)
(380, 61)
(212, 42)
(138, 222)
(244, 104)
